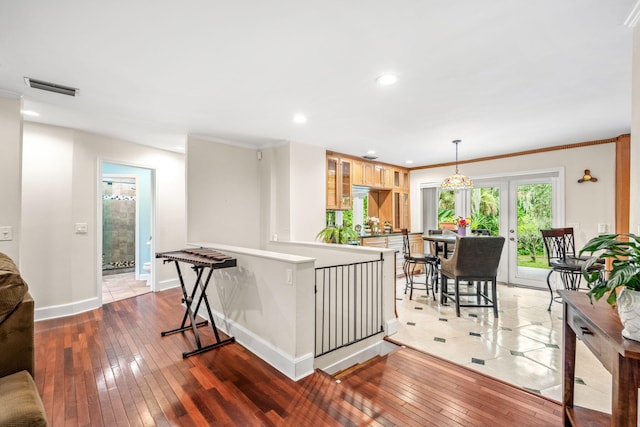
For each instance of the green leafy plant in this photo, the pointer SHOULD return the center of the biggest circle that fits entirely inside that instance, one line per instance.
(337, 234)
(624, 252)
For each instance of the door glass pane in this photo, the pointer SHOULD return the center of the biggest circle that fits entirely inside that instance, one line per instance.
(534, 213)
(485, 209)
(446, 207)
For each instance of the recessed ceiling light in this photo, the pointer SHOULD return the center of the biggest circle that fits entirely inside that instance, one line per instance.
(387, 79)
(409, 162)
(30, 113)
(371, 152)
(299, 119)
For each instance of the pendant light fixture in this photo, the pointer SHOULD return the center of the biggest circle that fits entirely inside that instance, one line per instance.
(456, 181)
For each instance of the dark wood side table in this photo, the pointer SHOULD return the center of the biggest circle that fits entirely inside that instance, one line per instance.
(599, 327)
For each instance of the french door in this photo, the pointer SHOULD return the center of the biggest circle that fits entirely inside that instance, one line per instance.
(533, 205)
(516, 207)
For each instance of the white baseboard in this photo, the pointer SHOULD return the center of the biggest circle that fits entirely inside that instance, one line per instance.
(55, 311)
(167, 284)
(294, 368)
(379, 348)
(392, 326)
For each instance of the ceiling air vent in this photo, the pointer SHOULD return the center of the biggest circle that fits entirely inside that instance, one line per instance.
(51, 87)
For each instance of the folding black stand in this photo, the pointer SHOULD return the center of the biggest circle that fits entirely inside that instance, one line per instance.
(199, 266)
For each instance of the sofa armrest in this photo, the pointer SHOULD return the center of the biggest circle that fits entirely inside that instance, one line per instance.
(17, 339)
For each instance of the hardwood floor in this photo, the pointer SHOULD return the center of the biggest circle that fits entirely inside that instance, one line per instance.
(111, 367)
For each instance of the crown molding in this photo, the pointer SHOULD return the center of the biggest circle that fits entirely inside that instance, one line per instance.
(634, 16)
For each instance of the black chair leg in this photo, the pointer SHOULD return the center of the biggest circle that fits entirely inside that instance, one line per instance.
(494, 296)
(413, 269)
(405, 269)
(457, 296)
(550, 290)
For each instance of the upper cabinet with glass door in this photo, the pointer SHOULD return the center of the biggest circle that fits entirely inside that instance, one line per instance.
(339, 172)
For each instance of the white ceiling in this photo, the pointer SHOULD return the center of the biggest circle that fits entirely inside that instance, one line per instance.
(502, 75)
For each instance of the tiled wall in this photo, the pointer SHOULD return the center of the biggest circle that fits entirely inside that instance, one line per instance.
(118, 219)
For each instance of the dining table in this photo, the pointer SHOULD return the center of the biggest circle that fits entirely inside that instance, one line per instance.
(448, 241)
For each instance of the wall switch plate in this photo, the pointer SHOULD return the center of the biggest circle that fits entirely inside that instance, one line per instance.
(81, 228)
(289, 276)
(6, 233)
(603, 228)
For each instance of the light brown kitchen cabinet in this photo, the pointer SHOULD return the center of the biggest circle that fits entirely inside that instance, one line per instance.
(338, 183)
(400, 210)
(383, 181)
(357, 173)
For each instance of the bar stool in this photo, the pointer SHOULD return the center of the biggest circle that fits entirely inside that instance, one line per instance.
(559, 244)
(411, 261)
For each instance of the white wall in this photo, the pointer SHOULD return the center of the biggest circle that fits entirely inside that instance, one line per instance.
(235, 198)
(308, 191)
(587, 204)
(280, 192)
(223, 194)
(60, 188)
(634, 216)
(293, 192)
(10, 174)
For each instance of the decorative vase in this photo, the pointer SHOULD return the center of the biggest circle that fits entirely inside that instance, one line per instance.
(628, 303)
(387, 229)
(462, 231)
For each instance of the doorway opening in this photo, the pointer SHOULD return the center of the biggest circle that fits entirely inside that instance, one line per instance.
(126, 242)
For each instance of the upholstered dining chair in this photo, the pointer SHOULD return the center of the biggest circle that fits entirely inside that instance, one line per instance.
(412, 261)
(560, 247)
(474, 261)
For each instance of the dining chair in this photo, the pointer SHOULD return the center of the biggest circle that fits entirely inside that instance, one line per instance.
(475, 262)
(412, 261)
(560, 247)
(480, 232)
(436, 248)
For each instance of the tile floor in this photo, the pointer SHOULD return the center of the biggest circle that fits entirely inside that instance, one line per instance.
(116, 287)
(523, 346)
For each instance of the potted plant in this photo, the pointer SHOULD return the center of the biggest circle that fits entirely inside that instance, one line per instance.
(387, 227)
(624, 252)
(462, 224)
(337, 234)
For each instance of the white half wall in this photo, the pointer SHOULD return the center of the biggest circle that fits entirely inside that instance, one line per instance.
(254, 303)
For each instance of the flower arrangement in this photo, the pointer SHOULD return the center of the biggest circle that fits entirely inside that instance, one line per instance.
(373, 221)
(462, 222)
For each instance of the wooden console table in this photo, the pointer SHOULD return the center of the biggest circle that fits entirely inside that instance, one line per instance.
(599, 327)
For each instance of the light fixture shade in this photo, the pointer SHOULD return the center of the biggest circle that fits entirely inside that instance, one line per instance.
(456, 182)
